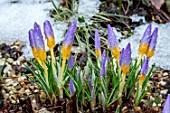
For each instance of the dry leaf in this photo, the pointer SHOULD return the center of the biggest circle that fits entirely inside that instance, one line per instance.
(157, 3)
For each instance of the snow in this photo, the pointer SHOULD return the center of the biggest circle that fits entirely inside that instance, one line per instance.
(16, 19)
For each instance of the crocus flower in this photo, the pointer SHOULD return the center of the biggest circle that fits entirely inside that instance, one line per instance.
(104, 58)
(125, 59)
(166, 108)
(32, 42)
(145, 40)
(68, 41)
(49, 34)
(144, 71)
(39, 42)
(97, 45)
(71, 87)
(152, 43)
(113, 43)
(71, 62)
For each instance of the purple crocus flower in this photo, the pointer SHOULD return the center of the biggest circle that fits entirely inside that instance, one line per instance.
(71, 62)
(48, 31)
(144, 69)
(147, 35)
(39, 42)
(127, 55)
(31, 38)
(69, 38)
(111, 37)
(71, 87)
(153, 41)
(166, 108)
(104, 58)
(97, 40)
(125, 58)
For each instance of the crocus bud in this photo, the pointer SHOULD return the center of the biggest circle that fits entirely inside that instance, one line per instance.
(32, 42)
(145, 40)
(71, 87)
(102, 70)
(166, 108)
(97, 45)
(71, 62)
(125, 59)
(152, 43)
(68, 41)
(39, 42)
(49, 34)
(144, 71)
(113, 43)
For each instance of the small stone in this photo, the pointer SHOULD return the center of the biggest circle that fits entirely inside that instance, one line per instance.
(164, 91)
(137, 109)
(21, 91)
(10, 60)
(2, 61)
(36, 91)
(156, 109)
(11, 92)
(154, 104)
(165, 74)
(7, 68)
(13, 101)
(32, 87)
(27, 91)
(17, 62)
(6, 96)
(42, 95)
(22, 78)
(163, 83)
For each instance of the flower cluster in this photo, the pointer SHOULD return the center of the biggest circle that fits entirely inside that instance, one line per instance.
(102, 82)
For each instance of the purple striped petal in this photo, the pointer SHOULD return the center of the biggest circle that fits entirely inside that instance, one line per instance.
(104, 58)
(31, 38)
(39, 42)
(71, 62)
(166, 108)
(147, 35)
(48, 31)
(69, 38)
(121, 57)
(71, 87)
(97, 40)
(111, 37)
(153, 41)
(144, 69)
(127, 55)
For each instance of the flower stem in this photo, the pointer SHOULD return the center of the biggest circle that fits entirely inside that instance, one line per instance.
(121, 86)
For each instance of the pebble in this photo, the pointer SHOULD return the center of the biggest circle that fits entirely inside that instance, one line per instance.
(163, 83)
(10, 60)
(154, 104)
(164, 91)
(27, 91)
(165, 74)
(42, 95)
(21, 91)
(7, 68)
(2, 61)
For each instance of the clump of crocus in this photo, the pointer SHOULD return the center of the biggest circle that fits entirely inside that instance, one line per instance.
(113, 43)
(125, 65)
(38, 47)
(66, 50)
(97, 45)
(166, 108)
(152, 43)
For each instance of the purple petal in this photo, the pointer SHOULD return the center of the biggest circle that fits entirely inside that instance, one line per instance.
(31, 38)
(111, 37)
(121, 56)
(39, 42)
(69, 38)
(144, 69)
(48, 31)
(97, 40)
(153, 41)
(71, 62)
(166, 108)
(71, 87)
(147, 35)
(127, 55)
(104, 58)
